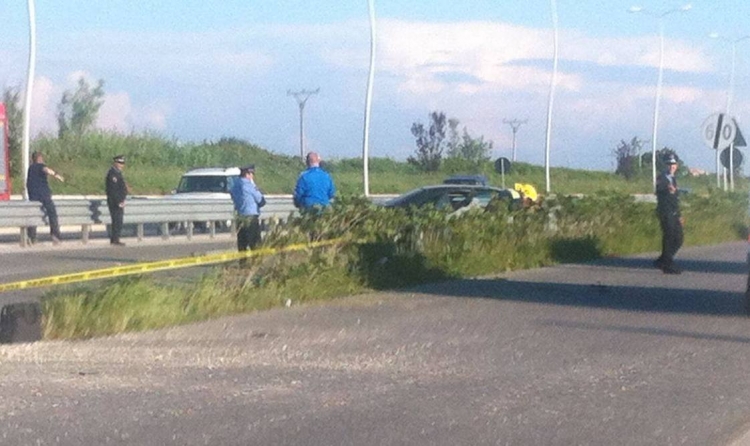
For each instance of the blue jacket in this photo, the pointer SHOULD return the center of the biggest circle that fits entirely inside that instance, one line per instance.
(314, 187)
(246, 197)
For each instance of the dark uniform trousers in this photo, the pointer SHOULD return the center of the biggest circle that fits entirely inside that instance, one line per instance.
(117, 213)
(51, 212)
(248, 232)
(672, 236)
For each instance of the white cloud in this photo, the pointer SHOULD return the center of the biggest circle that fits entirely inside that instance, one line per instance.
(117, 112)
(493, 56)
(44, 99)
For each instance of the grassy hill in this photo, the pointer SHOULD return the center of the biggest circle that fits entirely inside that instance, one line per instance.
(155, 164)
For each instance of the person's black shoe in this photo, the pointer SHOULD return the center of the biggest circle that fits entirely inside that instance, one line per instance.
(659, 263)
(117, 243)
(671, 270)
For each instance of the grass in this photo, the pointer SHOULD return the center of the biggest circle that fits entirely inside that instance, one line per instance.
(155, 165)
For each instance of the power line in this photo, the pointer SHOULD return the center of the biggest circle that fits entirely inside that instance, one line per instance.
(302, 96)
(515, 124)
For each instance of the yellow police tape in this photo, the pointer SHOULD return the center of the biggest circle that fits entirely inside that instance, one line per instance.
(160, 265)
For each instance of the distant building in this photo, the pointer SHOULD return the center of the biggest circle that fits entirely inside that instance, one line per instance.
(695, 172)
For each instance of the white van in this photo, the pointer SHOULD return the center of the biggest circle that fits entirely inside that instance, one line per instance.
(207, 183)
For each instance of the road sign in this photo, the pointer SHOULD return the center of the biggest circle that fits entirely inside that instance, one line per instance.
(502, 165)
(739, 139)
(736, 158)
(719, 131)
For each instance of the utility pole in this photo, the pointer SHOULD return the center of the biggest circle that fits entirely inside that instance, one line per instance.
(515, 124)
(302, 96)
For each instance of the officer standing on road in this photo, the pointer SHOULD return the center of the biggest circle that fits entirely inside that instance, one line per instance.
(117, 191)
(314, 188)
(247, 200)
(37, 187)
(668, 211)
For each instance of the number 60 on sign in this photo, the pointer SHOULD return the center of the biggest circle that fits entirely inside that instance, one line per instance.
(719, 131)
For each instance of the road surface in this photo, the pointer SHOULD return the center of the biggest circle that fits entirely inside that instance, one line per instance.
(606, 353)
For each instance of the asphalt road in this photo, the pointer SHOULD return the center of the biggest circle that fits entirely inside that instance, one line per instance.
(606, 353)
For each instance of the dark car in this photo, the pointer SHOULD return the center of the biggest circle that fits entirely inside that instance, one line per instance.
(451, 196)
(479, 180)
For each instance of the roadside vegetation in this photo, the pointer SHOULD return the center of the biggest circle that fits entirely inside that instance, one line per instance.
(155, 165)
(384, 249)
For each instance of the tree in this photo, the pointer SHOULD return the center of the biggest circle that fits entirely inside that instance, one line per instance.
(454, 140)
(661, 155)
(14, 115)
(429, 152)
(626, 155)
(77, 111)
(474, 150)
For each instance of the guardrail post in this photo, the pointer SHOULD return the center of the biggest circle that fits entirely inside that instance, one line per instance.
(212, 229)
(85, 232)
(139, 231)
(165, 231)
(24, 237)
(189, 229)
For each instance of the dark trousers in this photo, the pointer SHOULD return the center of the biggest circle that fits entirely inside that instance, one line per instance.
(51, 212)
(117, 213)
(248, 232)
(671, 238)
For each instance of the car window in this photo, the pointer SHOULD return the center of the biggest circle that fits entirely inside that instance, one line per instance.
(204, 184)
(459, 198)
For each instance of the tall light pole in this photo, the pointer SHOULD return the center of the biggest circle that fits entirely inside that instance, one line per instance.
(660, 18)
(302, 96)
(515, 124)
(368, 104)
(552, 86)
(730, 91)
(27, 100)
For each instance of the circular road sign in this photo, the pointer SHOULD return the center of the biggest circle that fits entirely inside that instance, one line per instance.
(718, 131)
(502, 165)
(736, 157)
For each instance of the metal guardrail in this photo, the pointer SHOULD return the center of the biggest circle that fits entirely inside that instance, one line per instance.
(164, 212)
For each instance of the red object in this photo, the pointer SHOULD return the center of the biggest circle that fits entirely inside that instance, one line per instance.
(4, 156)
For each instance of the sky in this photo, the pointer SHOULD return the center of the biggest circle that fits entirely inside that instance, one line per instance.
(197, 71)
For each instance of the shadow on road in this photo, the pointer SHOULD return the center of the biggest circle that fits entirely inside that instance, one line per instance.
(627, 298)
(646, 331)
(702, 266)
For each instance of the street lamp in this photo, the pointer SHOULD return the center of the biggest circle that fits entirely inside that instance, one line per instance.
(660, 18)
(27, 101)
(368, 103)
(552, 86)
(730, 90)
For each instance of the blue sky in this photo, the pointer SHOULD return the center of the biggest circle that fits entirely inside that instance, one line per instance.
(197, 70)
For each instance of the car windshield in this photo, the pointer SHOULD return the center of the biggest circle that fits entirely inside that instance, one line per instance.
(416, 197)
(212, 183)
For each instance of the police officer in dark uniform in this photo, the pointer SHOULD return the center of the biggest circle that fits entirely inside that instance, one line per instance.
(117, 190)
(668, 211)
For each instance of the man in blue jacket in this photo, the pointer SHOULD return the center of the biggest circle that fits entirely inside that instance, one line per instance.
(247, 200)
(314, 187)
